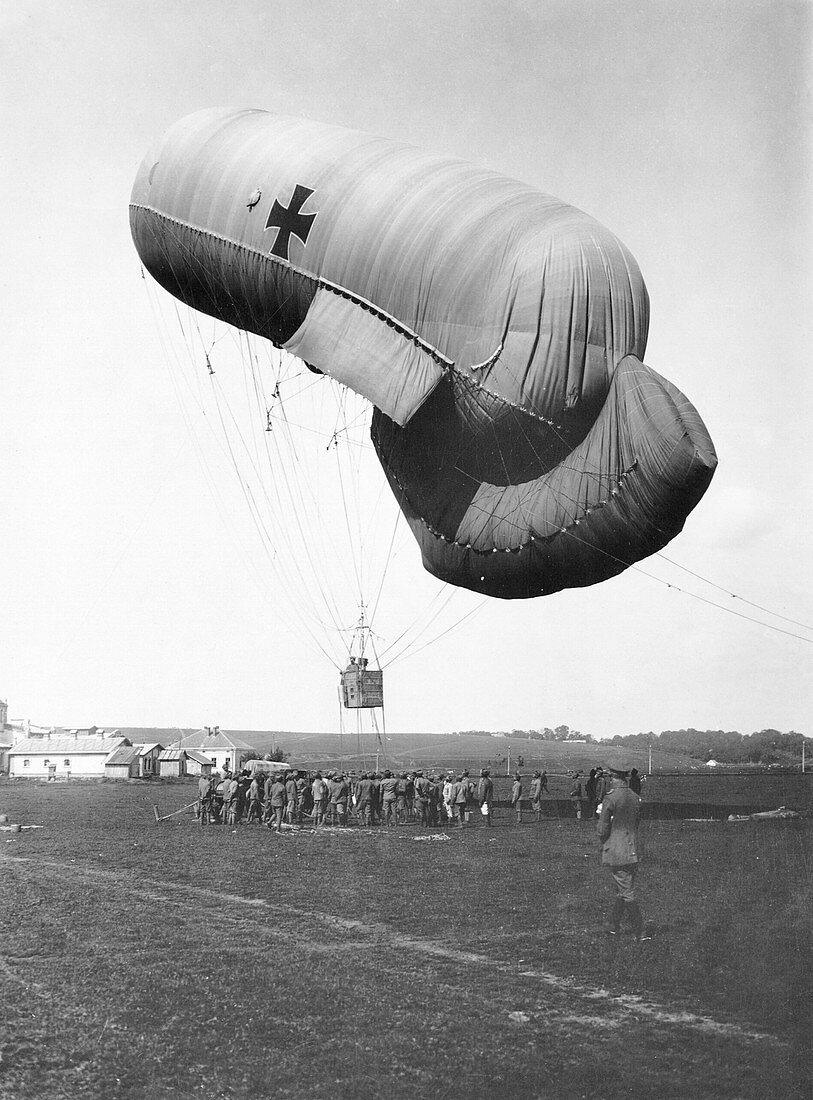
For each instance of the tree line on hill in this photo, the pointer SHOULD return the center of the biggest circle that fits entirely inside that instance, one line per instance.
(767, 746)
(560, 733)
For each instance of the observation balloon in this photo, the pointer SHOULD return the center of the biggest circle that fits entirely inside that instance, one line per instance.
(498, 332)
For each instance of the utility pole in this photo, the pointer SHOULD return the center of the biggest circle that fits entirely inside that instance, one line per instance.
(649, 772)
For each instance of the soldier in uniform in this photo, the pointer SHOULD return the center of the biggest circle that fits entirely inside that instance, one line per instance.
(389, 795)
(461, 799)
(268, 813)
(618, 833)
(471, 791)
(422, 791)
(536, 794)
(253, 801)
(602, 788)
(277, 803)
(516, 797)
(485, 796)
(435, 799)
(231, 802)
(364, 800)
(576, 795)
(401, 804)
(204, 798)
(291, 799)
(339, 793)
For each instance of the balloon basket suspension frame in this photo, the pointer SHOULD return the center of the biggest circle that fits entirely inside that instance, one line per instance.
(361, 689)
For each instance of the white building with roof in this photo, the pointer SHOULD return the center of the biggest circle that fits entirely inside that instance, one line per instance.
(224, 749)
(63, 754)
(6, 744)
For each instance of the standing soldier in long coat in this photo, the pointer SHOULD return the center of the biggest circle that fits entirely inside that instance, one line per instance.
(618, 833)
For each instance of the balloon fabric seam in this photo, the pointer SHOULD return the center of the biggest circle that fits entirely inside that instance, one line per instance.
(393, 322)
(568, 527)
(319, 281)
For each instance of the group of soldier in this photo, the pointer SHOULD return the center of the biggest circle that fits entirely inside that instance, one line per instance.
(292, 797)
(587, 796)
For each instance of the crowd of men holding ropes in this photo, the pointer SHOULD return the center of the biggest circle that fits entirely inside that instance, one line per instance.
(294, 798)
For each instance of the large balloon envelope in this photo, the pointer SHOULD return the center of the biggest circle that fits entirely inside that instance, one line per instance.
(498, 332)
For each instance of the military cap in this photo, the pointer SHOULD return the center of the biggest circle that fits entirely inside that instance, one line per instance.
(622, 769)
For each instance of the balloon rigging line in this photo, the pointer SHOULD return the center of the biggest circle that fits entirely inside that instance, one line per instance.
(734, 595)
(246, 489)
(386, 566)
(447, 594)
(338, 466)
(355, 482)
(295, 490)
(265, 539)
(169, 346)
(730, 610)
(326, 596)
(340, 429)
(267, 542)
(251, 502)
(693, 595)
(448, 630)
(356, 563)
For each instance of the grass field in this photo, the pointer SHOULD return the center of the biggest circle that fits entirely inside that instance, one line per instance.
(168, 960)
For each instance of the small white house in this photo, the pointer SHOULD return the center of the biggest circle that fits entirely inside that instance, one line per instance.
(148, 757)
(122, 763)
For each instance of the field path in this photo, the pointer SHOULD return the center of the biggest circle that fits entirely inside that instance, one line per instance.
(316, 932)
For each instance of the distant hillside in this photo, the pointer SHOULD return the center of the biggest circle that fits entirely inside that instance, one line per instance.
(400, 751)
(426, 750)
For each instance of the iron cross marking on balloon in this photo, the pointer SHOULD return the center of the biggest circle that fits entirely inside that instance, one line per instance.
(289, 221)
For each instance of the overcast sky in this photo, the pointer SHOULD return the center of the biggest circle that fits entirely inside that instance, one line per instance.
(135, 590)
